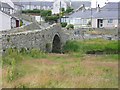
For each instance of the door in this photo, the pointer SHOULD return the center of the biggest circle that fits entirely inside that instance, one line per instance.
(17, 23)
(100, 23)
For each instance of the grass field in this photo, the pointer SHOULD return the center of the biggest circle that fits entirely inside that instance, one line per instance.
(69, 70)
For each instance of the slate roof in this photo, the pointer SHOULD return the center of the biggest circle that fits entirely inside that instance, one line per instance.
(5, 5)
(111, 6)
(106, 14)
(82, 14)
(42, 3)
(109, 11)
(18, 4)
(77, 4)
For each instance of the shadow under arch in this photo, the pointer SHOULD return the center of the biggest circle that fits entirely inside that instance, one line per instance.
(56, 45)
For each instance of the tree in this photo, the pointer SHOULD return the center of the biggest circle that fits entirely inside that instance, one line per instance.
(68, 10)
(45, 13)
(62, 9)
(63, 24)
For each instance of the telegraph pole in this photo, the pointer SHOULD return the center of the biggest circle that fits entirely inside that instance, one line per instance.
(91, 16)
(0, 5)
(60, 12)
(30, 5)
(40, 12)
(96, 3)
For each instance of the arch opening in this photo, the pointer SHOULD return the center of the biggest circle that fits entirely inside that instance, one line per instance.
(56, 45)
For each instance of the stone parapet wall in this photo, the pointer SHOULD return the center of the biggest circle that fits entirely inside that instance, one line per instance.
(34, 39)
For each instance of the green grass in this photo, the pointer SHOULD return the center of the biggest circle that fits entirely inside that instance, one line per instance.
(75, 69)
(92, 46)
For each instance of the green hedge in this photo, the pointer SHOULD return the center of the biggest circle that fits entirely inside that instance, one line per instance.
(31, 11)
(43, 13)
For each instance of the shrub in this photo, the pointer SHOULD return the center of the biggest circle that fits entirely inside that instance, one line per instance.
(64, 24)
(71, 46)
(70, 26)
(21, 22)
(51, 18)
(48, 47)
(10, 55)
(35, 53)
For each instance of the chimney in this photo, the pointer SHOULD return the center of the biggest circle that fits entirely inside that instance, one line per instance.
(98, 8)
(83, 8)
(70, 3)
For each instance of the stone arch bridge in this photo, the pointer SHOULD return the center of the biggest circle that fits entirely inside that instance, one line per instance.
(50, 39)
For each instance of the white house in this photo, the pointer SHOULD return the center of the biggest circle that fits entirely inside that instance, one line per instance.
(5, 22)
(6, 8)
(57, 5)
(9, 4)
(107, 16)
(80, 18)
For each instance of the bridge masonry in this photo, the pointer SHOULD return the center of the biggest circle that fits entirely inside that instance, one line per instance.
(39, 39)
(47, 39)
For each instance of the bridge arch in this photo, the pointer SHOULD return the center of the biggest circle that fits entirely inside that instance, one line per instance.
(56, 44)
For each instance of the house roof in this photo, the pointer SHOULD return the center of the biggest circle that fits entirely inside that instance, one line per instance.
(106, 14)
(18, 4)
(109, 11)
(111, 6)
(77, 4)
(41, 3)
(83, 14)
(5, 5)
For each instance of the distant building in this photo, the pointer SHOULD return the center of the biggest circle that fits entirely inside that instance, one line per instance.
(37, 5)
(54, 6)
(105, 17)
(6, 8)
(15, 22)
(5, 15)
(57, 5)
(7, 20)
(64, 4)
(81, 17)
(17, 7)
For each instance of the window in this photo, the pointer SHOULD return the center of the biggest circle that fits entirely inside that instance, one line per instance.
(84, 21)
(78, 21)
(110, 21)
